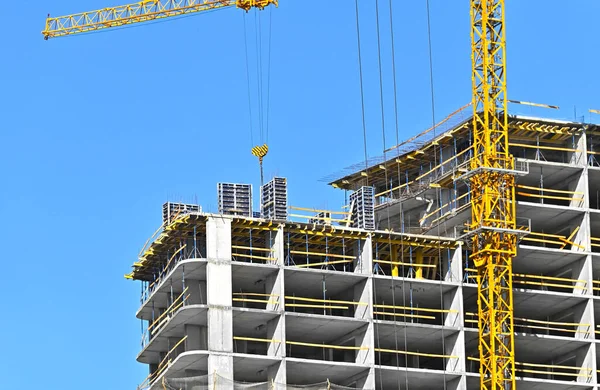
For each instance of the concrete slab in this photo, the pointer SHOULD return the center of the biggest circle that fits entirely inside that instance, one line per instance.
(419, 337)
(529, 303)
(249, 277)
(421, 292)
(310, 328)
(173, 328)
(251, 322)
(411, 378)
(549, 218)
(192, 268)
(309, 282)
(534, 384)
(252, 368)
(543, 261)
(305, 371)
(187, 361)
(532, 348)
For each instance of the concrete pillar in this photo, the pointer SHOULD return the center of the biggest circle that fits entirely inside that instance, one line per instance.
(277, 246)
(219, 300)
(582, 270)
(585, 358)
(277, 375)
(274, 286)
(362, 293)
(364, 338)
(453, 301)
(364, 257)
(454, 269)
(366, 382)
(455, 346)
(457, 384)
(276, 333)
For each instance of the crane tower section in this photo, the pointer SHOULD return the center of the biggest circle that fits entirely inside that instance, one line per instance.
(492, 182)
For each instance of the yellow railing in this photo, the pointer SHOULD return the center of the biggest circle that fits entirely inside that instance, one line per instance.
(549, 366)
(541, 193)
(558, 326)
(540, 280)
(317, 303)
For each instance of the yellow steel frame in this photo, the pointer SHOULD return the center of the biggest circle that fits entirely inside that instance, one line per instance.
(493, 196)
(142, 11)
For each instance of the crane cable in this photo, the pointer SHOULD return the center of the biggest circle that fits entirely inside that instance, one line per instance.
(362, 96)
(262, 116)
(436, 148)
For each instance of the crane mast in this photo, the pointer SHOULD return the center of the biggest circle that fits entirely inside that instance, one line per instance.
(492, 181)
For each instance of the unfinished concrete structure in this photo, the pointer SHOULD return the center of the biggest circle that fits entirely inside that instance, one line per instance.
(229, 299)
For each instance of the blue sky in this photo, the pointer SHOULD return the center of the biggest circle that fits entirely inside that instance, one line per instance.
(97, 131)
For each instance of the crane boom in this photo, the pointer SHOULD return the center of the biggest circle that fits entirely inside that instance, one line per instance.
(141, 11)
(492, 180)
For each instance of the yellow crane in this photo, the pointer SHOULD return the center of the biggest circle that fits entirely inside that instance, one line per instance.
(491, 177)
(493, 211)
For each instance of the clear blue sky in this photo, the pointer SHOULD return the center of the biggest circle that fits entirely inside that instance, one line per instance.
(97, 131)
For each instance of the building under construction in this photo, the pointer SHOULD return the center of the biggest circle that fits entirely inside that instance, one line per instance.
(383, 293)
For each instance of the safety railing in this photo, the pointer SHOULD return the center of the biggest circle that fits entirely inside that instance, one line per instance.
(171, 264)
(251, 298)
(595, 244)
(563, 153)
(159, 323)
(572, 372)
(409, 313)
(264, 255)
(556, 241)
(329, 306)
(596, 287)
(541, 281)
(551, 196)
(527, 325)
(328, 346)
(322, 217)
(164, 364)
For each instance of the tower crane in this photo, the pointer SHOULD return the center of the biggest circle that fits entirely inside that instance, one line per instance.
(491, 175)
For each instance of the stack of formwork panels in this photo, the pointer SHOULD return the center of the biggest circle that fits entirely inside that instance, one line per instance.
(235, 199)
(322, 218)
(362, 202)
(172, 210)
(274, 199)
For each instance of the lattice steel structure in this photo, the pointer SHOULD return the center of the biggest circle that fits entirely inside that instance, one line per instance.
(492, 181)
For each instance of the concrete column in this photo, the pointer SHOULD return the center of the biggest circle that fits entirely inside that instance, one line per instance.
(582, 270)
(453, 301)
(219, 299)
(366, 382)
(585, 358)
(364, 257)
(277, 374)
(277, 246)
(362, 293)
(274, 286)
(455, 346)
(276, 332)
(454, 269)
(364, 338)
(580, 156)
(457, 384)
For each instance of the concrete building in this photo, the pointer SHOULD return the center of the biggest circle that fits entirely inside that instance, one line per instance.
(229, 299)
